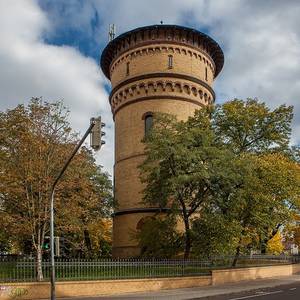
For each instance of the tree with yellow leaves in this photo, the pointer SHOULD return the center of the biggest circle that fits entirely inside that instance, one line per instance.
(35, 141)
(275, 245)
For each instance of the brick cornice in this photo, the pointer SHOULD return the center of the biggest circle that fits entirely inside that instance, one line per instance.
(174, 33)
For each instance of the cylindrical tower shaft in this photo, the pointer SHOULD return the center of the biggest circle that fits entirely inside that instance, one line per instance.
(161, 68)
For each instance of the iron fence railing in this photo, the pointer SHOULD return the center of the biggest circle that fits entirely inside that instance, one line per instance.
(21, 270)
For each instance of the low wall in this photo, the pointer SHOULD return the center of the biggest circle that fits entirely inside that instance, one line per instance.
(41, 290)
(94, 288)
(252, 273)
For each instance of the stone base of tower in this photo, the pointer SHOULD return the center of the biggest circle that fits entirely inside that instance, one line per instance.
(125, 226)
(125, 244)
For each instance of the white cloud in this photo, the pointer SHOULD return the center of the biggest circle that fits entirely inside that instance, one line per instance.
(262, 54)
(260, 39)
(29, 67)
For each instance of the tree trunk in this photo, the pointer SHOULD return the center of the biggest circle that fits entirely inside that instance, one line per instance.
(263, 246)
(188, 244)
(188, 240)
(237, 254)
(88, 243)
(40, 276)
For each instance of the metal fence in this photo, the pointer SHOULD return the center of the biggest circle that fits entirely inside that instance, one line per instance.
(18, 270)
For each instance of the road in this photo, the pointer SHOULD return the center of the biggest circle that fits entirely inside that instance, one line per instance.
(282, 288)
(286, 292)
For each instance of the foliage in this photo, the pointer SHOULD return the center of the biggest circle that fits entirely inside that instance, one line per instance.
(291, 231)
(182, 162)
(5, 244)
(250, 126)
(159, 238)
(214, 238)
(228, 166)
(35, 141)
(275, 245)
(87, 193)
(297, 236)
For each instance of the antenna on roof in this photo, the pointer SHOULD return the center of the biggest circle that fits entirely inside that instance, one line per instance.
(111, 32)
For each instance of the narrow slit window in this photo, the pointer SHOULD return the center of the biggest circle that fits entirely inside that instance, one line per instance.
(148, 124)
(206, 73)
(170, 61)
(127, 68)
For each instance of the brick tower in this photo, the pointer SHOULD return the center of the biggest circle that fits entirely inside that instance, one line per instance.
(159, 68)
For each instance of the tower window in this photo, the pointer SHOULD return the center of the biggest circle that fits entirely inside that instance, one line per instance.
(170, 61)
(148, 123)
(206, 73)
(127, 68)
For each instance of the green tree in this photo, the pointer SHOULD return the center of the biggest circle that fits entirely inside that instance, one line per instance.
(214, 234)
(182, 163)
(267, 195)
(230, 162)
(250, 127)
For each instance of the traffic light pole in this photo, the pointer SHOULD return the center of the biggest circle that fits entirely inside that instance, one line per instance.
(53, 297)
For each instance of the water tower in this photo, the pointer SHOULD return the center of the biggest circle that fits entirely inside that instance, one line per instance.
(159, 68)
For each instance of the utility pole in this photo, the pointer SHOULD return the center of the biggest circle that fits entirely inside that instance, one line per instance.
(95, 129)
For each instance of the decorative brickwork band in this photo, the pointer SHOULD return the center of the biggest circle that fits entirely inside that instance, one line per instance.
(185, 88)
(163, 82)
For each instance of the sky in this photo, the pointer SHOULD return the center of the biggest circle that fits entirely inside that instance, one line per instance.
(51, 48)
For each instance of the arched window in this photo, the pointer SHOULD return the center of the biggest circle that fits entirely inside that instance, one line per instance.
(170, 61)
(148, 123)
(140, 224)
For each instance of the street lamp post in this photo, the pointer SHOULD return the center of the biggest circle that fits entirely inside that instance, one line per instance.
(96, 143)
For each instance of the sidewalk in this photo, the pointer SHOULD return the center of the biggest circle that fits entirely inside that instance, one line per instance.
(201, 292)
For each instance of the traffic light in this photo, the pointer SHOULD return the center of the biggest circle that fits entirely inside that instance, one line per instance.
(46, 244)
(97, 133)
(58, 243)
